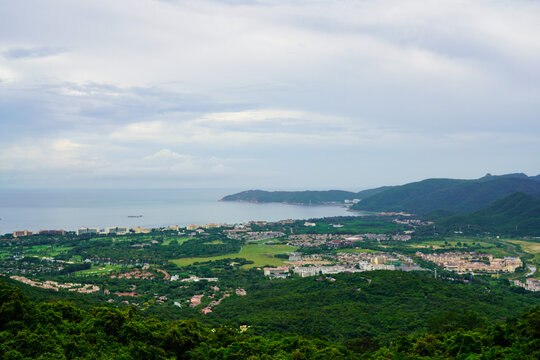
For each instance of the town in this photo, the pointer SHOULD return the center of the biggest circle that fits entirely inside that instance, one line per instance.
(198, 266)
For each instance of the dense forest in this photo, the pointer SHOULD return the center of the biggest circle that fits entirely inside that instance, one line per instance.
(59, 330)
(517, 214)
(379, 304)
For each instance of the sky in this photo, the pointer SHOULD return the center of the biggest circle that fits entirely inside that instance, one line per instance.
(266, 94)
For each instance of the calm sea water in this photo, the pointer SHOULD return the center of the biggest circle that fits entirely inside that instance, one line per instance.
(70, 209)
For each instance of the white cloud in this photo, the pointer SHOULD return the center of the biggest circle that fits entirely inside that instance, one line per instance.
(185, 87)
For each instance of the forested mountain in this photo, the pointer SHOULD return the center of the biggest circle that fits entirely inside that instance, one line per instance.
(449, 194)
(60, 330)
(301, 197)
(422, 197)
(517, 214)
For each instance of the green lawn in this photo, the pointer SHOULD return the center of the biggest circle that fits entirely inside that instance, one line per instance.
(260, 254)
(100, 270)
(47, 250)
(179, 240)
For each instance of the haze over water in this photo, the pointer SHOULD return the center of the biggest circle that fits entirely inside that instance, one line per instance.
(70, 209)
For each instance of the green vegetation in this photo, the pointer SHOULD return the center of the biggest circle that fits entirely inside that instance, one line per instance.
(175, 240)
(349, 225)
(379, 304)
(301, 197)
(448, 194)
(259, 254)
(62, 331)
(517, 214)
(368, 315)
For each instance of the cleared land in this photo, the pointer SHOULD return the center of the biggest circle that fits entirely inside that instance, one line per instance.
(260, 254)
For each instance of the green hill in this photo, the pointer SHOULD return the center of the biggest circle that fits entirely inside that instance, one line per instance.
(379, 304)
(301, 197)
(517, 214)
(453, 195)
(59, 330)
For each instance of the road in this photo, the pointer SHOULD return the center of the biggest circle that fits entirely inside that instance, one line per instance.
(532, 270)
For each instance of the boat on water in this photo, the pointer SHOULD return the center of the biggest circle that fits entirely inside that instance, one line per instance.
(135, 216)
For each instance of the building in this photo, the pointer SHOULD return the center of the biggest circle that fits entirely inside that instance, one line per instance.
(212, 226)
(197, 279)
(52, 232)
(116, 230)
(311, 224)
(140, 230)
(278, 272)
(305, 271)
(295, 256)
(85, 231)
(193, 227)
(379, 260)
(19, 233)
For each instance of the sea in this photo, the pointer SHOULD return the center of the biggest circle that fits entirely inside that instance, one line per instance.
(70, 209)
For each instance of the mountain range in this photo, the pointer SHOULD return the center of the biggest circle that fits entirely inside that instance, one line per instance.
(422, 197)
(453, 195)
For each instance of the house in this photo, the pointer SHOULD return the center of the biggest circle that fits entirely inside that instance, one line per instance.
(276, 272)
(116, 230)
(22, 233)
(295, 256)
(85, 231)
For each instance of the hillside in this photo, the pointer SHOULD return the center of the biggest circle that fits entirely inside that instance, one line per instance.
(62, 331)
(379, 304)
(301, 197)
(517, 214)
(453, 195)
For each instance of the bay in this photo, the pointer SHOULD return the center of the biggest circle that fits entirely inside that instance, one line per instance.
(69, 209)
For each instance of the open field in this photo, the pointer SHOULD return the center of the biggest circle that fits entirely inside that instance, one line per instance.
(215, 242)
(179, 240)
(100, 270)
(530, 247)
(260, 254)
(46, 250)
(527, 246)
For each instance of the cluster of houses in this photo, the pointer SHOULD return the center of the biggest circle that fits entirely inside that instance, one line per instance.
(529, 284)
(337, 240)
(252, 235)
(53, 285)
(472, 262)
(341, 262)
(22, 233)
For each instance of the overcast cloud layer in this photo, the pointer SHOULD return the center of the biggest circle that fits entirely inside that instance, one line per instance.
(266, 94)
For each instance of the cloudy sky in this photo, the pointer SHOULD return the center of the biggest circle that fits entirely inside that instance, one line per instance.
(266, 94)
